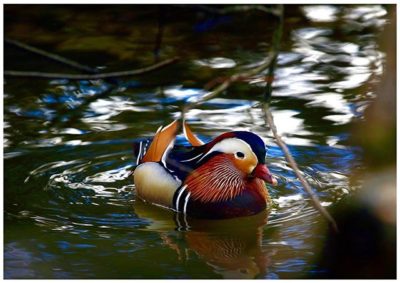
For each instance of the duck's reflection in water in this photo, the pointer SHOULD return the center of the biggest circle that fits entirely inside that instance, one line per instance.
(232, 247)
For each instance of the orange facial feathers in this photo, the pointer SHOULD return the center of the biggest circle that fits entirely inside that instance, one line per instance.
(246, 165)
(195, 141)
(161, 142)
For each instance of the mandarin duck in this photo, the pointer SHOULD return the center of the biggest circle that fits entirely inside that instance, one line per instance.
(223, 178)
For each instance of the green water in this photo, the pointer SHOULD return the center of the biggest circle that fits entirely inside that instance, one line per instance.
(69, 200)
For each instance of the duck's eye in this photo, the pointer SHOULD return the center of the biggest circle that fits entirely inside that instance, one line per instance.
(239, 155)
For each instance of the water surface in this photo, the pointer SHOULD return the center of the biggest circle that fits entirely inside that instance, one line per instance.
(70, 204)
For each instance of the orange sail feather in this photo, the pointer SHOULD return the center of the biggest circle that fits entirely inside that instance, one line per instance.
(162, 140)
(195, 141)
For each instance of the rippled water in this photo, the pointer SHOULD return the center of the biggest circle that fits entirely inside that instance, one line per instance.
(70, 204)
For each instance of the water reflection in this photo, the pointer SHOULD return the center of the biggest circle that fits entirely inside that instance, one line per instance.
(232, 249)
(321, 13)
(217, 63)
(365, 16)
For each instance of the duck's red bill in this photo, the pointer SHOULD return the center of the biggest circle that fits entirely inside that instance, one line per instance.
(261, 171)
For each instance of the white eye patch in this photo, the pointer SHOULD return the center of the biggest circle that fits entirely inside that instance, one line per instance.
(233, 145)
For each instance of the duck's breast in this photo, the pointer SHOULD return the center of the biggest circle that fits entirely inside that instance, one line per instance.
(248, 202)
(155, 184)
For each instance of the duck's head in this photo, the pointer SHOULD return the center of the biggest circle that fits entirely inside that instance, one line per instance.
(245, 150)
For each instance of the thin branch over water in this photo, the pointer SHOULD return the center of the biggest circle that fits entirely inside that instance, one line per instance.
(229, 81)
(233, 9)
(269, 120)
(51, 56)
(91, 76)
(289, 158)
(270, 62)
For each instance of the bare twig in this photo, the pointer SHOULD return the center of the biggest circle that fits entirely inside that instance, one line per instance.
(160, 32)
(51, 56)
(93, 76)
(270, 63)
(228, 82)
(244, 8)
(270, 121)
(234, 8)
(276, 42)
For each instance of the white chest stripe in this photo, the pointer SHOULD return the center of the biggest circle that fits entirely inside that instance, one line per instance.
(178, 197)
(186, 202)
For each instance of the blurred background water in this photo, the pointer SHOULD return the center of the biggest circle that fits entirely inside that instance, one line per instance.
(69, 200)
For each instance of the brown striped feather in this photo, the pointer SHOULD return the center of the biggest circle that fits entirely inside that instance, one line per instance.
(216, 180)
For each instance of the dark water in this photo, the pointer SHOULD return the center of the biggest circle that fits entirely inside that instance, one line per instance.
(70, 205)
